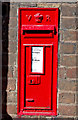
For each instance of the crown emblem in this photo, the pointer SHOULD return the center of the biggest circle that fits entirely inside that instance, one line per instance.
(38, 18)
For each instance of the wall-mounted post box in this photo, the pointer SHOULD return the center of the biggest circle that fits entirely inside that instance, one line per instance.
(37, 61)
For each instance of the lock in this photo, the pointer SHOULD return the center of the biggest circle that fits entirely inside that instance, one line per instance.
(34, 80)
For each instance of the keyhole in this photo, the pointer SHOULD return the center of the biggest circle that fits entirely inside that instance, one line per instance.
(31, 81)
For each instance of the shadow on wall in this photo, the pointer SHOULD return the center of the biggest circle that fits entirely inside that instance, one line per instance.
(77, 60)
(5, 22)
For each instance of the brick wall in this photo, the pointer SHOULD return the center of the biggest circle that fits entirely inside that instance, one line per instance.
(67, 93)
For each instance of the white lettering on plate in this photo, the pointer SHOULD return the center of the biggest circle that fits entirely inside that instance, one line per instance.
(37, 60)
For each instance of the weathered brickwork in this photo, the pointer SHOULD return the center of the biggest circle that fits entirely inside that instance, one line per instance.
(67, 94)
(68, 61)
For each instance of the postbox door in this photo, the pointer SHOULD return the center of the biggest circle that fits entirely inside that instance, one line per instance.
(38, 77)
(37, 61)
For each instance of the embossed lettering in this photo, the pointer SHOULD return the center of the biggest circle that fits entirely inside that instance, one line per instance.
(29, 17)
(38, 17)
(48, 18)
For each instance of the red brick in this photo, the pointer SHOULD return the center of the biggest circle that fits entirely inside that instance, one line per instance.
(77, 111)
(77, 9)
(12, 34)
(12, 48)
(68, 85)
(13, 10)
(76, 98)
(68, 23)
(11, 86)
(12, 72)
(11, 97)
(77, 60)
(13, 22)
(68, 35)
(77, 47)
(68, 9)
(62, 72)
(67, 98)
(71, 72)
(11, 109)
(67, 48)
(77, 85)
(68, 60)
(68, 110)
(12, 59)
(76, 23)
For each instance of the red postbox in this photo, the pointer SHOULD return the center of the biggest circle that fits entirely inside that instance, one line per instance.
(37, 61)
